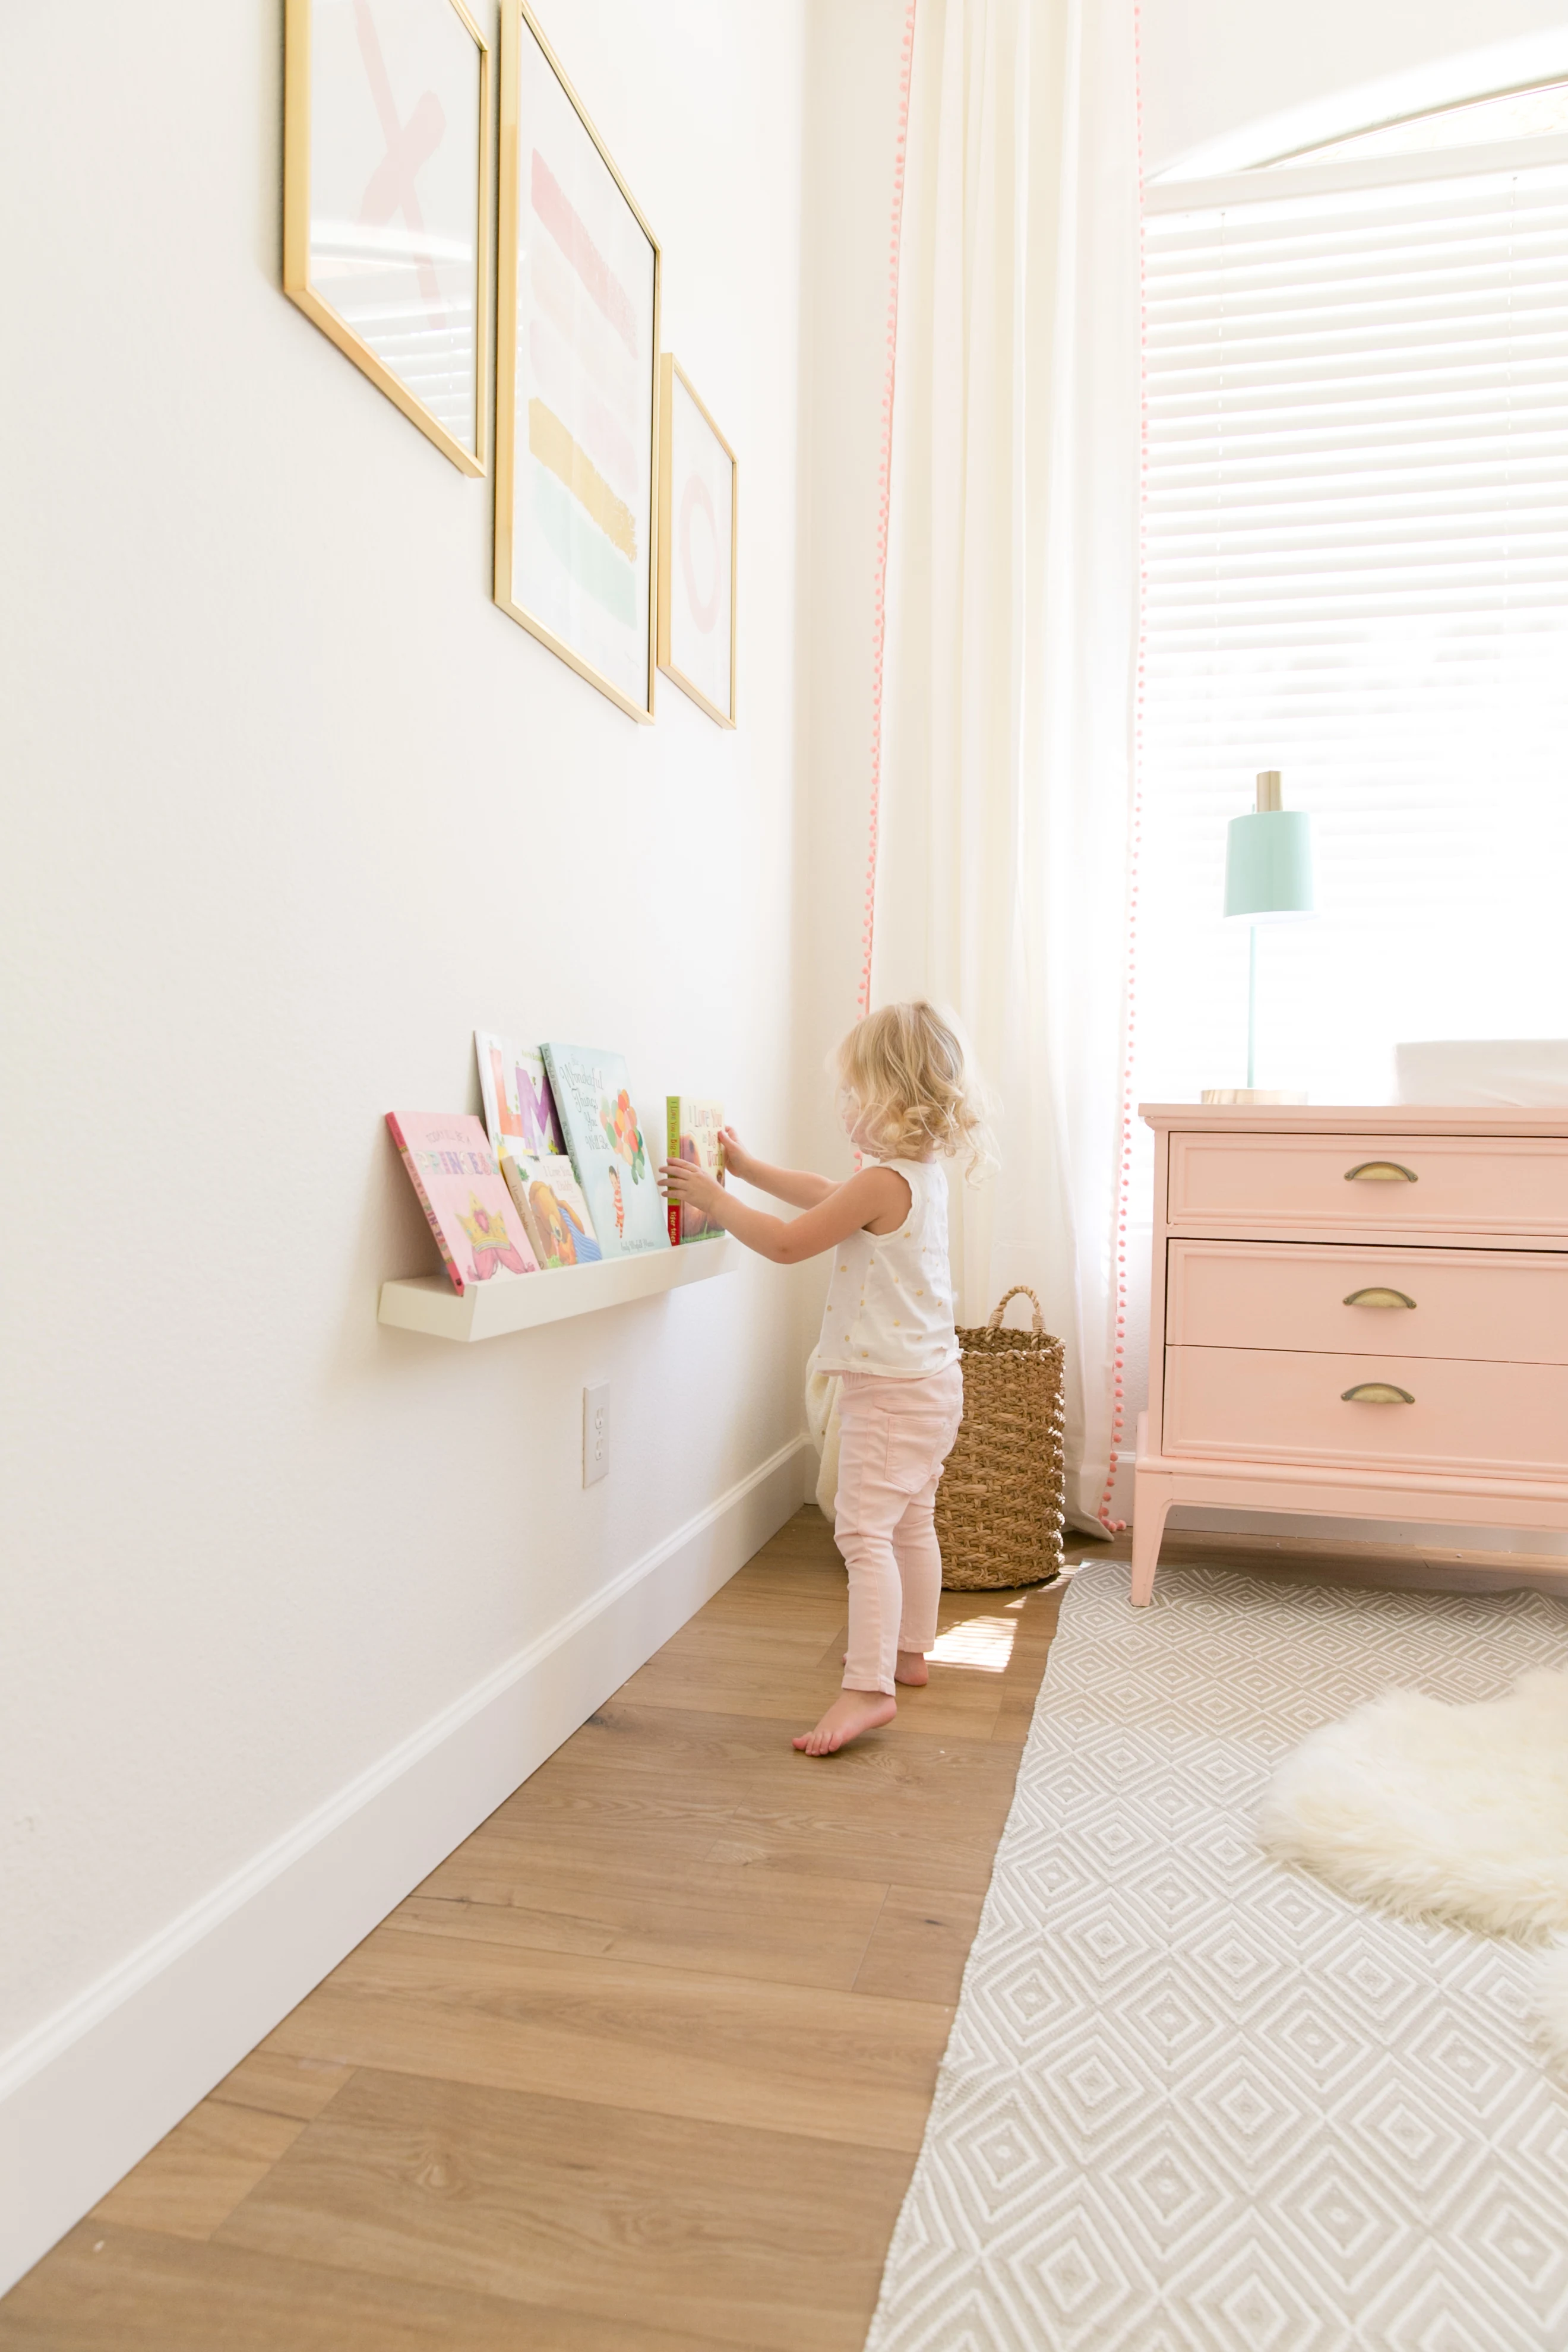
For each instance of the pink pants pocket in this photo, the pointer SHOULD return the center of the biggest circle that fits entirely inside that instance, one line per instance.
(916, 1452)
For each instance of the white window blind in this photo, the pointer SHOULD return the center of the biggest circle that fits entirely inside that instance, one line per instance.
(1357, 560)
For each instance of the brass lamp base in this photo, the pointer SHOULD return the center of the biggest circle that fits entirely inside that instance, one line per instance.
(1250, 1095)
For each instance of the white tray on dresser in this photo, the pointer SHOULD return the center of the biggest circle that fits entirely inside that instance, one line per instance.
(1362, 1312)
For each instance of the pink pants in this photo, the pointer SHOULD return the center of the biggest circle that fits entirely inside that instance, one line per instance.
(896, 1435)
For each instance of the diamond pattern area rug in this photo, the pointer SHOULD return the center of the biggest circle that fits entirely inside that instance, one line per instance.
(1195, 2102)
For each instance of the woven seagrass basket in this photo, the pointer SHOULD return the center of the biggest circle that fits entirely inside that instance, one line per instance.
(1000, 1503)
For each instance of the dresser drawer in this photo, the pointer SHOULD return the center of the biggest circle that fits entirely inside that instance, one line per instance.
(1508, 1306)
(1495, 1185)
(1279, 1405)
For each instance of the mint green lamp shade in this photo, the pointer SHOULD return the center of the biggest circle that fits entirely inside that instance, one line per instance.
(1268, 865)
(1268, 879)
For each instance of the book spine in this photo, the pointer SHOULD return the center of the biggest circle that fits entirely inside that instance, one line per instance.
(672, 1151)
(447, 1260)
(517, 1185)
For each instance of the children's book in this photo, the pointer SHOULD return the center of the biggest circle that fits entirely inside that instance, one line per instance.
(463, 1194)
(520, 1110)
(599, 1121)
(551, 1202)
(691, 1132)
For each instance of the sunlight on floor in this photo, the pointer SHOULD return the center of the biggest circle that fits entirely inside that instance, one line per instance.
(984, 1644)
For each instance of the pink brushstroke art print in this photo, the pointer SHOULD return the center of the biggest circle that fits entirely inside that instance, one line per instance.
(396, 173)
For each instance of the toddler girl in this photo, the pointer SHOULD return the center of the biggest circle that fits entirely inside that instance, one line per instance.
(888, 1330)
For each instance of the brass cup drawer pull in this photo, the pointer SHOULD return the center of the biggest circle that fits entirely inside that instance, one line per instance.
(1381, 1171)
(1376, 1296)
(1377, 1392)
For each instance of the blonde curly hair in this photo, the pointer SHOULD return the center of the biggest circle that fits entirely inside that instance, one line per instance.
(915, 1091)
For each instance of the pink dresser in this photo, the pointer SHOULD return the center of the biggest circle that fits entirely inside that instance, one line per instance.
(1363, 1313)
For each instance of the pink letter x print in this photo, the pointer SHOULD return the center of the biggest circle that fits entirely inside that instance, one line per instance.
(390, 188)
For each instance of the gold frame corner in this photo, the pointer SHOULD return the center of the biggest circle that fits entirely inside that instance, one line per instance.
(669, 367)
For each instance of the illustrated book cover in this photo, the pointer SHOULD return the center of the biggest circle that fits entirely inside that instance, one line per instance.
(463, 1194)
(612, 1162)
(520, 1109)
(692, 1132)
(551, 1202)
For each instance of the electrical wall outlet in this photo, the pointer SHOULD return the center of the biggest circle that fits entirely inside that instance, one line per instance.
(595, 1431)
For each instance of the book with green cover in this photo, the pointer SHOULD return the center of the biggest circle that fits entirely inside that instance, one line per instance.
(692, 1129)
(599, 1120)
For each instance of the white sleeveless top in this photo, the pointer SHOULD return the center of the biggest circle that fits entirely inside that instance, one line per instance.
(889, 1302)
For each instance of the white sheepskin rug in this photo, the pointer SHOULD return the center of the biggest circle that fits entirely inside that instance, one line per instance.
(1458, 1813)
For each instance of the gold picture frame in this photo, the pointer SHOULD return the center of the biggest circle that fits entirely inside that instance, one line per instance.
(577, 325)
(361, 259)
(689, 608)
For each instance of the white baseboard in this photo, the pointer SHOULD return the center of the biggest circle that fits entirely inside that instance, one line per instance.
(85, 2097)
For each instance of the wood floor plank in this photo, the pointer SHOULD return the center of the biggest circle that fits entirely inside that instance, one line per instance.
(703, 1915)
(618, 2215)
(281, 2086)
(105, 2289)
(725, 2050)
(195, 2176)
(965, 1710)
(927, 1813)
(920, 1944)
(1014, 1717)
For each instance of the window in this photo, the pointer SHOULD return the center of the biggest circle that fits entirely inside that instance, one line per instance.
(1357, 557)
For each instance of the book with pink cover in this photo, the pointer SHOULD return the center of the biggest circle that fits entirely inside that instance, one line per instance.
(520, 1109)
(463, 1194)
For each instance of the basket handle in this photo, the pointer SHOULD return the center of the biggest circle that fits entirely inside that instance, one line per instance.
(1020, 1290)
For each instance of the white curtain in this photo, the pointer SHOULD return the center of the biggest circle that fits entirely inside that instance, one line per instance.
(1011, 647)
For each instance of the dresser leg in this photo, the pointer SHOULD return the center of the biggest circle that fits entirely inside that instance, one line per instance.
(1151, 1501)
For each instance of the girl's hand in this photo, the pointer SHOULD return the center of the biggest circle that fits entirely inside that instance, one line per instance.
(738, 1160)
(691, 1187)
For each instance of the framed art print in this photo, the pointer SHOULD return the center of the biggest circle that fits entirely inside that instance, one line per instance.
(577, 382)
(386, 170)
(697, 484)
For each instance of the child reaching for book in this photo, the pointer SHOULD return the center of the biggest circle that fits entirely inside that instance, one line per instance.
(907, 1102)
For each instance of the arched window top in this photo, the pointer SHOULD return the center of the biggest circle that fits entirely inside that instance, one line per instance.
(1540, 112)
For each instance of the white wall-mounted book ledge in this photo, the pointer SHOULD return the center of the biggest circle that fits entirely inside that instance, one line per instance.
(488, 1310)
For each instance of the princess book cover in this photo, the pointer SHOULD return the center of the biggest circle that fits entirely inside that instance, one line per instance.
(691, 1132)
(520, 1109)
(612, 1163)
(463, 1194)
(552, 1208)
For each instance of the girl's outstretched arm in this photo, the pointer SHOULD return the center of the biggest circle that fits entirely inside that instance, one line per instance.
(798, 1186)
(878, 1197)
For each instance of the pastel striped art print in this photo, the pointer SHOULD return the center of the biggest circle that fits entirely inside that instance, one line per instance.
(578, 324)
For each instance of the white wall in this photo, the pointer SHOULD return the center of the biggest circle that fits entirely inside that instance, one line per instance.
(1231, 82)
(290, 806)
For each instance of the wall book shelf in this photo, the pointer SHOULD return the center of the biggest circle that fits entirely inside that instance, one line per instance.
(488, 1310)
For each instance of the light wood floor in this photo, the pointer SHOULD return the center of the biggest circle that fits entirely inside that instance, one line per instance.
(643, 2067)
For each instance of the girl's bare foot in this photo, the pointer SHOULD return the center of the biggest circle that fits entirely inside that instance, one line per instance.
(852, 1712)
(911, 1668)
